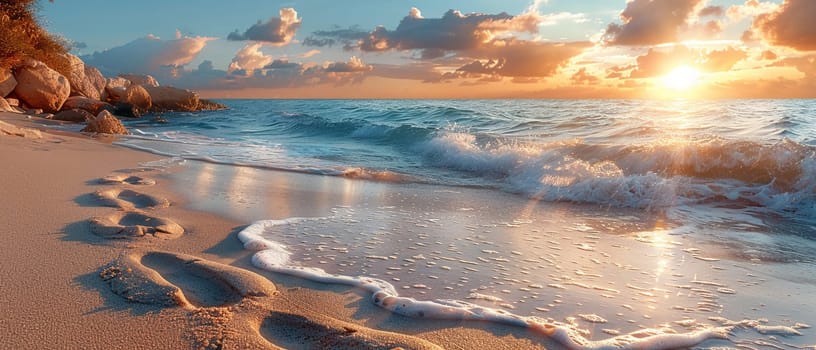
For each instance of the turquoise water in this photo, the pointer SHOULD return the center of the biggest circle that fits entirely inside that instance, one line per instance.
(757, 154)
(643, 213)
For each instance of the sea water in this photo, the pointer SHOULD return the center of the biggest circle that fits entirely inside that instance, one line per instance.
(584, 220)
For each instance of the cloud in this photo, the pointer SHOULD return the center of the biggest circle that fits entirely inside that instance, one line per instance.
(348, 37)
(309, 53)
(353, 65)
(248, 59)
(556, 18)
(721, 60)
(519, 58)
(454, 31)
(487, 43)
(658, 62)
(804, 64)
(275, 74)
(790, 25)
(147, 55)
(711, 11)
(650, 22)
(582, 77)
(277, 30)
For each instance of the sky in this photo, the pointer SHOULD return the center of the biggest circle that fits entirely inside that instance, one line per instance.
(452, 49)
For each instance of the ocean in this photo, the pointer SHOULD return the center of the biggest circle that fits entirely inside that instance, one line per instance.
(603, 217)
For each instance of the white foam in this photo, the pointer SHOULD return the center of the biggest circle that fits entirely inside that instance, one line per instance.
(275, 257)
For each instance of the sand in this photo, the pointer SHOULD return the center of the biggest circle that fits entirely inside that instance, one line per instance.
(99, 252)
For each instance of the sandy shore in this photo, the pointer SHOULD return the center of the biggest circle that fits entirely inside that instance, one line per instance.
(100, 253)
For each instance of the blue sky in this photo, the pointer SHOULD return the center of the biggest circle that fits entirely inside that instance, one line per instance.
(525, 48)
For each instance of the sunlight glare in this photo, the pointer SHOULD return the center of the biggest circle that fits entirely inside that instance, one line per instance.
(681, 78)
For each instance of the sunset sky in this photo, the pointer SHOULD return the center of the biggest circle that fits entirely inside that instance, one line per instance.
(452, 49)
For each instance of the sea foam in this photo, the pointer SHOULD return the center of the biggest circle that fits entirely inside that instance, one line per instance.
(273, 256)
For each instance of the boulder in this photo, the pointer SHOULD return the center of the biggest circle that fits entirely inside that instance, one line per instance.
(105, 123)
(138, 97)
(81, 84)
(13, 102)
(74, 115)
(166, 98)
(96, 79)
(87, 104)
(117, 82)
(146, 80)
(115, 94)
(7, 82)
(41, 87)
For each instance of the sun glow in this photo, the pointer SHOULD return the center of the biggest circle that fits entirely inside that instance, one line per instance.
(681, 78)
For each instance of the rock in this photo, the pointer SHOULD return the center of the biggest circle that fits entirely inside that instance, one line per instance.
(34, 111)
(117, 82)
(7, 82)
(13, 102)
(84, 103)
(74, 115)
(41, 87)
(166, 98)
(127, 110)
(96, 79)
(115, 94)
(81, 84)
(144, 80)
(5, 106)
(105, 123)
(138, 97)
(207, 105)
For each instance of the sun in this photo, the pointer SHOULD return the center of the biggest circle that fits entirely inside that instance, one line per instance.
(681, 78)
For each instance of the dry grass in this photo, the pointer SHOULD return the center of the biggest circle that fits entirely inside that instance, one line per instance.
(21, 36)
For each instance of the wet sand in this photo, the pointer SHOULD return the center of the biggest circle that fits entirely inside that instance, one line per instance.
(92, 258)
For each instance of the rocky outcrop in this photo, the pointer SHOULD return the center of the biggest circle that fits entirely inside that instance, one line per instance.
(81, 83)
(105, 123)
(144, 80)
(41, 87)
(7, 82)
(74, 116)
(166, 98)
(87, 104)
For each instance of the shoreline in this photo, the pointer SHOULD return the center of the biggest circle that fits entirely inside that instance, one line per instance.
(244, 320)
(76, 309)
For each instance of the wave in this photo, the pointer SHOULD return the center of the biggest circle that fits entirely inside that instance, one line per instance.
(652, 174)
(780, 176)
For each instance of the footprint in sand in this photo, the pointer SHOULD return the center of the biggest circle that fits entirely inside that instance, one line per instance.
(176, 279)
(128, 199)
(319, 332)
(126, 179)
(124, 224)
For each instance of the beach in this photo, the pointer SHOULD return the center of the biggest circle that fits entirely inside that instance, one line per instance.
(54, 296)
(119, 248)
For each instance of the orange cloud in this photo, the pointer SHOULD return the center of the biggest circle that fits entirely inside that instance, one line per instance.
(658, 62)
(277, 30)
(650, 22)
(791, 25)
